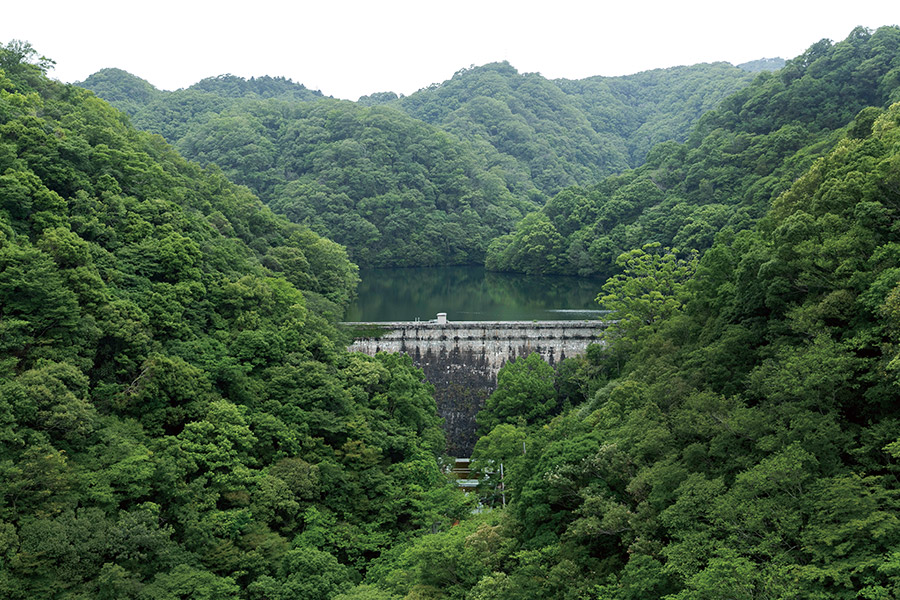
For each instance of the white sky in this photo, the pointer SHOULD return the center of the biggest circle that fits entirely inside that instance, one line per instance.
(348, 48)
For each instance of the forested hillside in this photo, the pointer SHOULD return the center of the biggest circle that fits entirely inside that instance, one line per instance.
(393, 190)
(737, 159)
(763, 64)
(566, 132)
(178, 415)
(739, 437)
(399, 192)
(173, 114)
(179, 419)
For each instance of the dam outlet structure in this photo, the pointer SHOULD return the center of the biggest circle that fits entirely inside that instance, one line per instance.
(462, 358)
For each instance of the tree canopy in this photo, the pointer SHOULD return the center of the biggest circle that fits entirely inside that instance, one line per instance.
(738, 437)
(735, 162)
(178, 417)
(428, 179)
(178, 414)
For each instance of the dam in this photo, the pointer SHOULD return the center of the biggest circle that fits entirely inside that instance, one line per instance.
(462, 358)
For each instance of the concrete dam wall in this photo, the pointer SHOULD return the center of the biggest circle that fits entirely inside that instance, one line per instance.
(461, 359)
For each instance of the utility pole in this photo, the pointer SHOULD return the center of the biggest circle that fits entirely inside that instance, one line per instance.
(502, 486)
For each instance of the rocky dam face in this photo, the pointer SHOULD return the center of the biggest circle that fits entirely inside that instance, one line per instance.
(462, 358)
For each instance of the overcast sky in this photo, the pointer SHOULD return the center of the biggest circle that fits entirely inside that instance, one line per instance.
(348, 48)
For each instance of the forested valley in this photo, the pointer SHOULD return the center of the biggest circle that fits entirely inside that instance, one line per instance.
(428, 179)
(179, 417)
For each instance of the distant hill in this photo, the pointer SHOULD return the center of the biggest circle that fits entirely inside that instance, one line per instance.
(232, 86)
(763, 64)
(129, 93)
(172, 113)
(566, 132)
(544, 134)
(394, 190)
(737, 160)
(650, 107)
(515, 140)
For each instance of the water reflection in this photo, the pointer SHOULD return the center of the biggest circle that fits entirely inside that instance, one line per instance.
(471, 294)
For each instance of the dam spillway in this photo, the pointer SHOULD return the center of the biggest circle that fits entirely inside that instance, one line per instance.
(462, 358)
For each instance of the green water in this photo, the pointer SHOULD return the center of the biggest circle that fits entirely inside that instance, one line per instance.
(471, 294)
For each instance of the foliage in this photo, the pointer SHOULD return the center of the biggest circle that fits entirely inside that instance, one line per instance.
(561, 133)
(525, 392)
(736, 161)
(650, 289)
(397, 191)
(746, 446)
(178, 417)
(21, 62)
(123, 90)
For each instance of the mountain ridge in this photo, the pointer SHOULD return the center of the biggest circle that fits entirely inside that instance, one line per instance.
(525, 138)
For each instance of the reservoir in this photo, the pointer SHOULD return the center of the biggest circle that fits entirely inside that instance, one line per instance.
(471, 294)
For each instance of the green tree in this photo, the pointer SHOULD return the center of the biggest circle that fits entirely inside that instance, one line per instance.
(18, 56)
(650, 290)
(525, 391)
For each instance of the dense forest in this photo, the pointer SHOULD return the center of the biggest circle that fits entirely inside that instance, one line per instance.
(565, 132)
(428, 179)
(736, 161)
(739, 436)
(393, 190)
(179, 417)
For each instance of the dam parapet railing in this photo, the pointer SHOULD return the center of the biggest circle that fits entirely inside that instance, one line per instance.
(450, 330)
